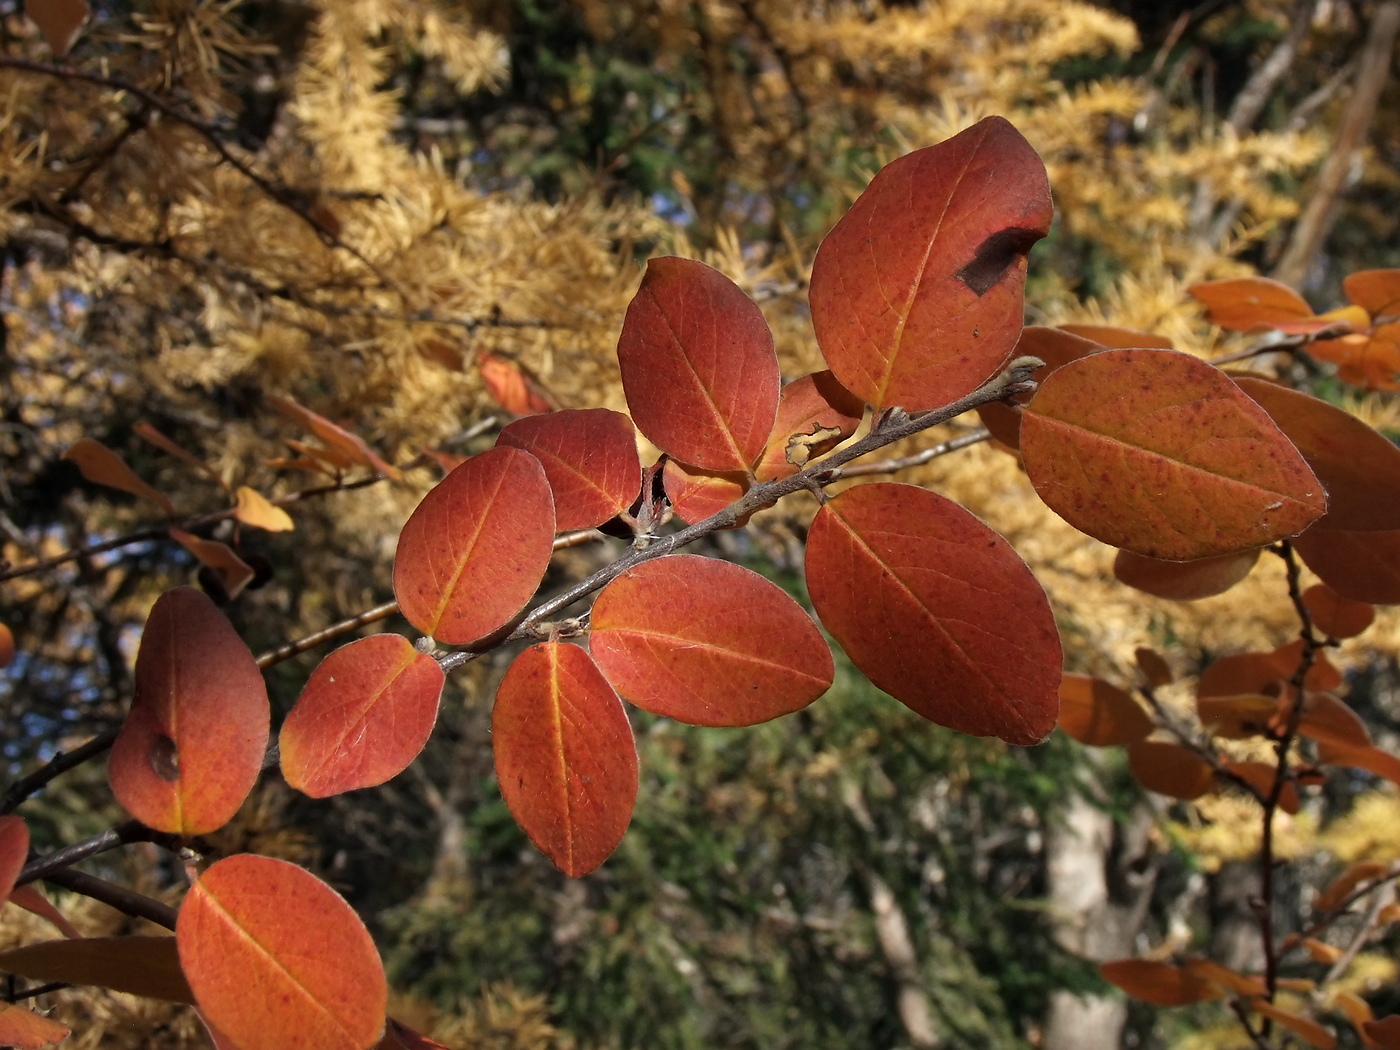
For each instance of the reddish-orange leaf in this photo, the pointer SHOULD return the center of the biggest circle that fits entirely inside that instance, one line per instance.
(14, 851)
(1375, 291)
(1099, 714)
(400, 1037)
(1238, 717)
(1362, 566)
(1372, 759)
(707, 642)
(1368, 359)
(100, 465)
(349, 445)
(7, 645)
(511, 387)
(1328, 720)
(232, 571)
(1383, 1034)
(1358, 467)
(473, 552)
(1228, 979)
(1118, 338)
(1321, 676)
(1304, 1027)
(1170, 769)
(160, 441)
(917, 292)
(59, 23)
(1335, 616)
(565, 758)
(1160, 453)
(697, 494)
(1056, 347)
(257, 510)
(1241, 674)
(815, 414)
(1183, 581)
(32, 901)
(24, 1029)
(590, 458)
(278, 960)
(144, 966)
(328, 460)
(364, 715)
(1153, 666)
(937, 610)
(1157, 982)
(192, 746)
(1244, 303)
(1321, 952)
(698, 366)
(1261, 776)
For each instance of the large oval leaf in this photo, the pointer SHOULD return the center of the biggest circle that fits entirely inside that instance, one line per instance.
(698, 366)
(1170, 769)
(565, 757)
(1183, 581)
(1363, 566)
(917, 292)
(277, 959)
(472, 553)
(590, 458)
(144, 966)
(707, 642)
(1160, 453)
(192, 745)
(937, 610)
(364, 715)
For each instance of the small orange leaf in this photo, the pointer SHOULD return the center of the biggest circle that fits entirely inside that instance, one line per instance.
(1159, 983)
(7, 645)
(14, 851)
(1118, 338)
(1375, 291)
(160, 441)
(349, 445)
(365, 713)
(32, 901)
(1350, 880)
(278, 960)
(1367, 359)
(1238, 717)
(1390, 913)
(1243, 304)
(1153, 667)
(100, 465)
(144, 966)
(59, 22)
(256, 510)
(1371, 759)
(815, 414)
(1335, 616)
(589, 457)
(1170, 769)
(1321, 952)
(1303, 1027)
(23, 1029)
(1183, 581)
(1099, 714)
(511, 387)
(1328, 720)
(696, 494)
(1228, 979)
(565, 758)
(233, 572)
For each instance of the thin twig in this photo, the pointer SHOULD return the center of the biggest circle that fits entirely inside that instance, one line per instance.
(918, 459)
(113, 838)
(127, 901)
(60, 763)
(35, 992)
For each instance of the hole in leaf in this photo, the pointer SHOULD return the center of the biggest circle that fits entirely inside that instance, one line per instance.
(996, 255)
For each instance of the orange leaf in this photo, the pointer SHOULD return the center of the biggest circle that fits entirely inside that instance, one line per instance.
(1238, 717)
(1228, 979)
(1157, 982)
(1261, 776)
(1118, 338)
(937, 610)
(255, 509)
(14, 851)
(1335, 616)
(1345, 884)
(1153, 667)
(511, 387)
(1183, 581)
(160, 441)
(1240, 674)
(1321, 676)
(1329, 721)
(144, 966)
(278, 960)
(1375, 291)
(696, 494)
(1099, 714)
(1358, 467)
(916, 294)
(1160, 453)
(1303, 1027)
(1057, 348)
(477, 546)
(32, 901)
(590, 459)
(23, 1029)
(698, 366)
(1170, 769)
(349, 445)
(7, 645)
(1243, 304)
(815, 414)
(1385, 1033)
(1362, 566)
(232, 571)
(1368, 359)
(59, 22)
(565, 758)
(1320, 952)
(1372, 759)
(707, 642)
(100, 465)
(192, 745)
(365, 713)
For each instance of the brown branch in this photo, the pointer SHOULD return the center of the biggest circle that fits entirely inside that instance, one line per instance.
(125, 900)
(60, 763)
(917, 459)
(32, 993)
(113, 838)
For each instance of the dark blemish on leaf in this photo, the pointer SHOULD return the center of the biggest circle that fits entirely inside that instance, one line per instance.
(996, 255)
(164, 758)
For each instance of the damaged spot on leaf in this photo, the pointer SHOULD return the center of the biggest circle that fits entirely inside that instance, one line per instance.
(997, 254)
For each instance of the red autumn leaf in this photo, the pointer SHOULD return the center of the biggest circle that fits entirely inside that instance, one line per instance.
(1304, 1027)
(511, 387)
(698, 366)
(590, 459)
(25, 1030)
(233, 572)
(337, 438)
(1170, 769)
(697, 494)
(707, 642)
(1118, 338)
(1099, 714)
(1183, 581)
(1245, 303)
(1241, 674)
(7, 645)
(1358, 467)
(1375, 291)
(1321, 676)
(1228, 979)
(400, 1037)
(160, 441)
(1160, 453)
(1238, 717)
(1328, 720)
(815, 414)
(278, 960)
(32, 901)
(14, 851)
(917, 292)
(1153, 666)
(1362, 566)
(1159, 983)
(937, 610)
(1260, 776)
(1367, 359)
(59, 23)
(144, 966)
(364, 715)
(100, 465)
(565, 758)
(1056, 347)
(1335, 616)
(477, 546)
(192, 745)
